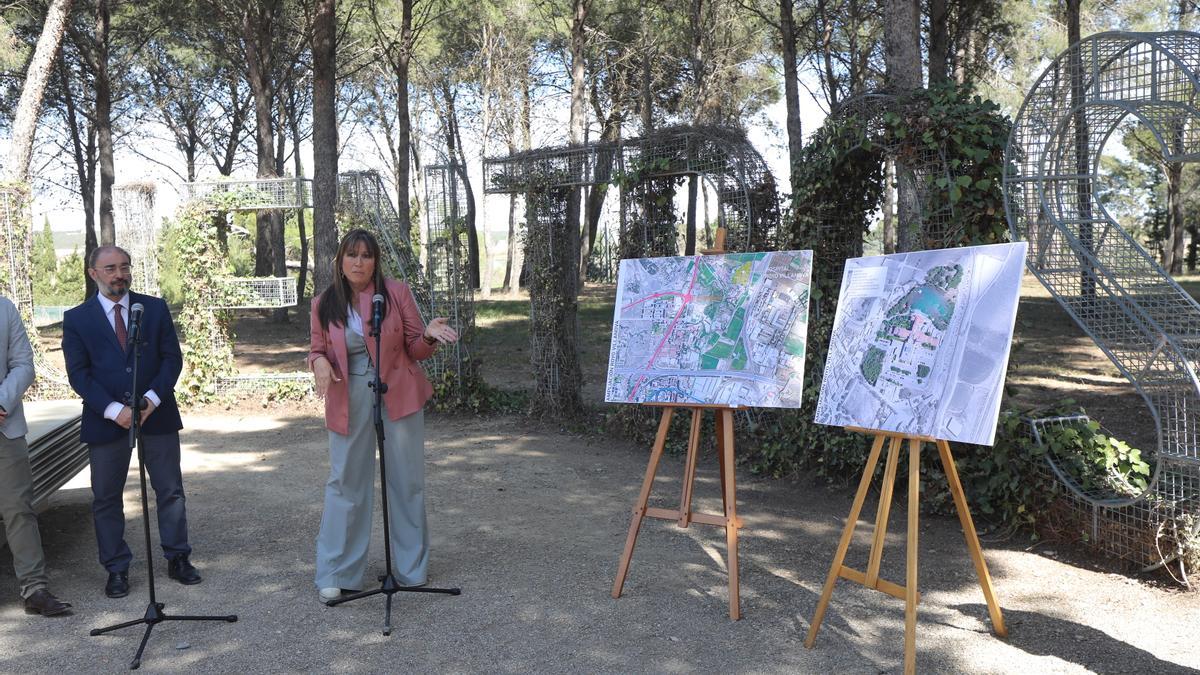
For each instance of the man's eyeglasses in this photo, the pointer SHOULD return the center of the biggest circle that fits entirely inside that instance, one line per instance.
(112, 269)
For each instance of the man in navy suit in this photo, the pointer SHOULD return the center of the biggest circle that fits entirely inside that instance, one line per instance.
(100, 367)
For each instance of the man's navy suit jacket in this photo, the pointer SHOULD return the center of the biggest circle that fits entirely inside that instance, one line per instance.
(101, 372)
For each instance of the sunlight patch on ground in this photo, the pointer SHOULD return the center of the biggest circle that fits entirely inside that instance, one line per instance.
(239, 424)
(195, 460)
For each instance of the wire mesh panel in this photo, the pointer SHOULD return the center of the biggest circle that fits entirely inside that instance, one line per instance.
(251, 383)
(448, 269)
(1095, 269)
(137, 231)
(363, 194)
(256, 293)
(15, 246)
(550, 255)
(254, 194)
(16, 283)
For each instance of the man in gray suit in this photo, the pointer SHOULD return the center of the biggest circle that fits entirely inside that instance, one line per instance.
(16, 477)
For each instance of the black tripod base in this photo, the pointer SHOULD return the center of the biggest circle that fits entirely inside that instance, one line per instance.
(389, 588)
(154, 616)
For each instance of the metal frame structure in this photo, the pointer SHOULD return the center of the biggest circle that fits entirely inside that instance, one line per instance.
(447, 269)
(254, 194)
(839, 232)
(1113, 288)
(644, 167)
(16, 283)
(259, 194)
(363, 194)
(137, 231)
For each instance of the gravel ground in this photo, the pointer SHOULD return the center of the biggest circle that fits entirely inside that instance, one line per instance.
(530, 522)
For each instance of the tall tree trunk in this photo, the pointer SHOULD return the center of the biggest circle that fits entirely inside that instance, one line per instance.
(889, 205)
(458, 164)
(515, 251)
(646, 105)
(325, 144)
(1087, 282)
(902, 53)
(791, 91)
(30, 104)
(404, 149)
(302, 279)
(108, 232)
(577, 123)
(1175, 225)
(258, 28)
(939, 42)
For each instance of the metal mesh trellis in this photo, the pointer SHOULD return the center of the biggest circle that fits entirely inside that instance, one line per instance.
(746, 201)
(16, 283)
(550, 255)
(1136, 313)
(363, 194)
(137, 231)
(255, 194)
(839, 232)
(448, 271)
(256, 293)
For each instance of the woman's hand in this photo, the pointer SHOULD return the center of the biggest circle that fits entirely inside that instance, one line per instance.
(439, 330)
(323, 371)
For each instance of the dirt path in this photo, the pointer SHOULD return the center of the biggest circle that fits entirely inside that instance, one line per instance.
(529, 522)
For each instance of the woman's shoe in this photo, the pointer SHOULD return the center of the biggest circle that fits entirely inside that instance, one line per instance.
(328, 595)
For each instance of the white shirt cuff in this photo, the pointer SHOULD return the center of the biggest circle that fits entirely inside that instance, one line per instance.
(153, 397)
(113, 410)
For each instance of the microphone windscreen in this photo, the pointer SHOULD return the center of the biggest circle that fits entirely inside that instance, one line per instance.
(377, 299)
(137, 308)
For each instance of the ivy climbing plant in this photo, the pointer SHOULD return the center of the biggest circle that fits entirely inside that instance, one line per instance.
(207, 342)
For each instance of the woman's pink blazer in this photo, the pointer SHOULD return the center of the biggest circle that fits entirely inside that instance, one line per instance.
(402, 344)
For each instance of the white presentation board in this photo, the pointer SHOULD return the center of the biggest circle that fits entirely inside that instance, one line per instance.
(715, 329)
(920, 342)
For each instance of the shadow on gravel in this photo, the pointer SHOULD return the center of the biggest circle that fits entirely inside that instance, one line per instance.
(1095, 650)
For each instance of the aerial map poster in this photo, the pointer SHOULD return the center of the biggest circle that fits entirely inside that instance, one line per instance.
(715, 329)
(920, 342)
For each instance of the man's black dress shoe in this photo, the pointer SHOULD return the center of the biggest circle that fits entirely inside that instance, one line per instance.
(43, 602)
(182, 571)
(118, 585)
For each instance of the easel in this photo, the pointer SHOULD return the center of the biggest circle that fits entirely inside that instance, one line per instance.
(684, 516)
(870, 578)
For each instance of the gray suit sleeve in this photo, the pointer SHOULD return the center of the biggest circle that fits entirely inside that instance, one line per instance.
(20, 358)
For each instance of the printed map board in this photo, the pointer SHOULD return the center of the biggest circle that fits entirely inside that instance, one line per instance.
(920, 342)
(716, 329)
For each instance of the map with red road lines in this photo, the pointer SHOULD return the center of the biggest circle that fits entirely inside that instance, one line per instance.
(715, 330)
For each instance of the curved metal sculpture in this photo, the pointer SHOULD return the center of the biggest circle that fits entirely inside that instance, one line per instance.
(1113, 288)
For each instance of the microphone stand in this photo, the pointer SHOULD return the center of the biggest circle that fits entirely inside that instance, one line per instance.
(390, 585)
(154, 610)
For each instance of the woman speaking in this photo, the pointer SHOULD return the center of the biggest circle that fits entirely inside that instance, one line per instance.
(343, 360)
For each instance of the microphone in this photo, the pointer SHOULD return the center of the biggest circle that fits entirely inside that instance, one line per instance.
(135, 321)
(376, 312)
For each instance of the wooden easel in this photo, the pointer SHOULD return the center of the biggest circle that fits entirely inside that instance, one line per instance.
(684, 516)
(870, 578)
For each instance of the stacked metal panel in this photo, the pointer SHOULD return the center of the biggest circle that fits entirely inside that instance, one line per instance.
(55, 451)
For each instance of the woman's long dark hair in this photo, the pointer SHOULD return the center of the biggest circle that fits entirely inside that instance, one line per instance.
(335, 300)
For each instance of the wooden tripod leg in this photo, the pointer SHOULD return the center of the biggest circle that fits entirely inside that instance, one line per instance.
(968, 526)
(639, 507)
(689, 470)
(884, 510)
(863, 485)
(910, 581)
(729, 493)
(719, 424)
